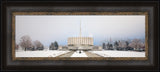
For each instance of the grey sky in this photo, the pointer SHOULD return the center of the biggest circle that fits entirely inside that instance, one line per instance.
(50, 28)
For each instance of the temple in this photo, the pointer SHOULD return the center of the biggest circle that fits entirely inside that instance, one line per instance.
(80, 43)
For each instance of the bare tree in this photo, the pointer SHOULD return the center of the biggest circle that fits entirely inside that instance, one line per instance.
(38, 45)
(136, 43)
(142, 46)
(26, 42)
(17, 47)
(124, 45)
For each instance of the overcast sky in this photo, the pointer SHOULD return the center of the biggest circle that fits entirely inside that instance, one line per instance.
(50, 28)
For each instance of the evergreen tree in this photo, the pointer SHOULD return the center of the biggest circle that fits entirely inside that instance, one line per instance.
(108, 45)
(127, 43)
(51, 47)
(104, 46)
(116, 44)
(55, 45)
(127, 47)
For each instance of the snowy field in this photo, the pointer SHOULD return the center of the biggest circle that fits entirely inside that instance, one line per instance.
(48, 53)
(77, 54)
(54, 53)
(119, 53)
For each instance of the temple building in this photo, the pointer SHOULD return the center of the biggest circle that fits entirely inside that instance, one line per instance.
(85, 41)
(80, 43)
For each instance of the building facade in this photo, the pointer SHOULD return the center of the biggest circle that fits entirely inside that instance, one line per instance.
(80, 43)
(83, 41)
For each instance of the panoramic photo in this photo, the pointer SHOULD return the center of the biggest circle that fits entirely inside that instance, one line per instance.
(80, 36)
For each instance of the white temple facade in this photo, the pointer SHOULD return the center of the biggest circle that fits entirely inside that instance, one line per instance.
(85, 41)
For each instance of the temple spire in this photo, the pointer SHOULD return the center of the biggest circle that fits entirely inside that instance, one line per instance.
(80, 30)
(110, 39)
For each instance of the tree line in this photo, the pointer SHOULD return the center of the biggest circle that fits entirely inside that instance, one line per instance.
(134, 45)
(26, 44)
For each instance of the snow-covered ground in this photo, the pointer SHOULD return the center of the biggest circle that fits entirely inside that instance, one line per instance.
(77, 54)
(119, 53)
(54, 53)
(47, 53)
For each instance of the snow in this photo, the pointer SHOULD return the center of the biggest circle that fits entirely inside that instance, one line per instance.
(48, 53)
(54, 53)
(119, 53)
(77, 54)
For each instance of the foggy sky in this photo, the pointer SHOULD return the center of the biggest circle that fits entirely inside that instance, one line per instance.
(50, 28)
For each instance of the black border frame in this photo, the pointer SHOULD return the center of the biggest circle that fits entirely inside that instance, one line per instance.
(153, 67)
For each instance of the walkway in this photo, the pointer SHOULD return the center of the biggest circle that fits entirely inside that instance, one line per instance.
(66, 54)
(77, 54)
(89, 54)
